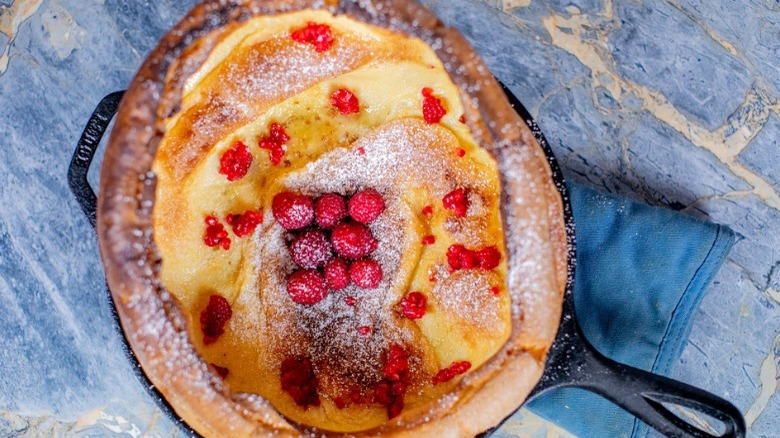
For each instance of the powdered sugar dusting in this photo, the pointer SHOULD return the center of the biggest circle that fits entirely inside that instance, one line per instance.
(330, 331)
(399, 158)
(465, 296)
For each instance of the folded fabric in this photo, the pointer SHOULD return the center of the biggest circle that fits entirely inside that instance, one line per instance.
(641, 274)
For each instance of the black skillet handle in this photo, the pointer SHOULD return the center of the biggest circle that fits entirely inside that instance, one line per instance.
(639, 392)
(85, 152)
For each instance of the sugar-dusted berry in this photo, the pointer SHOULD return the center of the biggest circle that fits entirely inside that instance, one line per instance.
(366, 205)
(337, 275)
(293, 211)
(311, 249)
(306, 286)
(329, 210)
(365, 273)
(353, 240)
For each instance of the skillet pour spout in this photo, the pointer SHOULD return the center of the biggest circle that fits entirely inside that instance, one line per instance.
(571, 362)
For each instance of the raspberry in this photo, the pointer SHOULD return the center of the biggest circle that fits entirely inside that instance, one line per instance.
(214, 317)
(428, 240)
(353, 240)
(345, 101)
(468, 259)
(456, 201)
(274, 142)
(366, 205)
(360, 151)
(329, 210)
(459, 257)
(396, 363)
(432, 109)
(488, 258)
(306, 286)
(340, 402)
(413, 305)
(310, 249)
(215, 234)
(318, 35)
(427, 211)
(495, 290)
(462, 118)
(365, 330)
(350, 300)
(244, 224)
(234, 162)
(390, 392)
(365, 273)
(453, 256)
(293, 211)
(395, 407)
(221, 371)
(337, 276)
(449, 373)
(298, 380)
(382, 394)
(461, 152)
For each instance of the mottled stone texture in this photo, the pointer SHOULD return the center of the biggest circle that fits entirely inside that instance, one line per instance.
(671, 102)
(762, 155)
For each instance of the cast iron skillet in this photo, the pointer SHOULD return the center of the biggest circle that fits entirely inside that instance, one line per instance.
(571, 362)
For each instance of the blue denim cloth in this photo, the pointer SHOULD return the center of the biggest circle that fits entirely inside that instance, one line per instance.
(641, 274)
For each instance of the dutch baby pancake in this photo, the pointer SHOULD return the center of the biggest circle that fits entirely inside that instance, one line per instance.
(324, 218)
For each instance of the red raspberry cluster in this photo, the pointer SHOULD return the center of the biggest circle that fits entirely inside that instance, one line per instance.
(275, 140)
(459, 257)
(391, 390)
(330, 241)
(318, 35)
(432, 108)
(243, 225)
(449, 373)
(213, 318)
(298, 380)
(413, 305)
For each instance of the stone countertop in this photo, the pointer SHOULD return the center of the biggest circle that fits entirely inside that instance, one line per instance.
(672, 102)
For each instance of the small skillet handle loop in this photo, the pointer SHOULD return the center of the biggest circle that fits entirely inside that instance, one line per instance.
(642, 394)
(85, 152)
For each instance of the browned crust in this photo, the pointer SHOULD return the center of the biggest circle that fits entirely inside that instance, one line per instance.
(153, 322)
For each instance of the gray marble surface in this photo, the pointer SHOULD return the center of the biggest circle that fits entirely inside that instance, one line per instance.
(673, 102)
